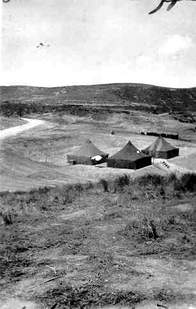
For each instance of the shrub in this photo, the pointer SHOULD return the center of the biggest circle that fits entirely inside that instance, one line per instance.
(104, 184)
(119, 183)
(89, 295)
(7, 217)
(189, 182)
(144, 229)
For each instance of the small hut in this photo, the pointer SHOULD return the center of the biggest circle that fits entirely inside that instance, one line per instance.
(87, 154)
(161, 149)
(129, 157)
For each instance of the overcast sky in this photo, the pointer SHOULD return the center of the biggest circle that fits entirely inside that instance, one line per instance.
(97, 41)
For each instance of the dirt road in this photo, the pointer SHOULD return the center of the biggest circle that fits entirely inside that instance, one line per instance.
(31, 123)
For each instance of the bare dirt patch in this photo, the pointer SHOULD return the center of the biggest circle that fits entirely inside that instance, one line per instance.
(17, 303)
(184, 207)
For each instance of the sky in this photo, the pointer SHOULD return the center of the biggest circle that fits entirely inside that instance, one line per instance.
(96, 42)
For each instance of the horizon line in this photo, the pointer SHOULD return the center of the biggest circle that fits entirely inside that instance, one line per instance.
(97, 84)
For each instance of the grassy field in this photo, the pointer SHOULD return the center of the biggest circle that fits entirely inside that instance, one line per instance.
(6, 122)
(38, 157)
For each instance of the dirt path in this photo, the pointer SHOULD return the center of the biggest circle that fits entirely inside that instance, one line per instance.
(31, 123)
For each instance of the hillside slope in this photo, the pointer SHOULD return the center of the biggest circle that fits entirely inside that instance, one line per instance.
(134, 96)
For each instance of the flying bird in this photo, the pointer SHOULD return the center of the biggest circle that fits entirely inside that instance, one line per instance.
(170, 6)
(42, 45)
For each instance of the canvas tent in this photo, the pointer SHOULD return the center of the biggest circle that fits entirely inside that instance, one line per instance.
(161, 149)
(129, 157)
(88, 154)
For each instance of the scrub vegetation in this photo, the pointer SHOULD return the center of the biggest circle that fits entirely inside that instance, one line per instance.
(83, 100)
(91, 236)
(83, 245)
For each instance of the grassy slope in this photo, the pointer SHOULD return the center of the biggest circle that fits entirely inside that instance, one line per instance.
(134, 242)
(10, 122)
(101, 244)
(28, 160)
(119, 95)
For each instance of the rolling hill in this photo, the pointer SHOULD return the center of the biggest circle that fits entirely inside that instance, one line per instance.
(28, 99)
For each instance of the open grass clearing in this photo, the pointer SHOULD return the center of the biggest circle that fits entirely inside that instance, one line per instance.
(7, 122)
(37, 157)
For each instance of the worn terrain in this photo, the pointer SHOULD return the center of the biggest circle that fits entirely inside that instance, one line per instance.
(125, 243)
(92, 236)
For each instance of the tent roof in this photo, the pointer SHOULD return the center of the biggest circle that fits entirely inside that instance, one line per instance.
(160, 144)
(88, 149)
(128, 152)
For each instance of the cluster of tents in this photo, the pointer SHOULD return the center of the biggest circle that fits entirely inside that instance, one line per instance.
(128, 157)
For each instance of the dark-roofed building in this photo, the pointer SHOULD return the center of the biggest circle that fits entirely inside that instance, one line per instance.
(161, 149)
(88, 154)
(129, 157)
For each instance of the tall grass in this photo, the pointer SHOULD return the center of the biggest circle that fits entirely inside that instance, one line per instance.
(152, 184)
(141, 188)
(43, 199)
(89, 296)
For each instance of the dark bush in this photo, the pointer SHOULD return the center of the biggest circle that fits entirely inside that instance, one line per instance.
(89, 295)
(120, 182)
(104, 184)
(7, 217)
(143, 229)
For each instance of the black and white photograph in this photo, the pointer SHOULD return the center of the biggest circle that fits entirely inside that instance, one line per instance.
(98, 154)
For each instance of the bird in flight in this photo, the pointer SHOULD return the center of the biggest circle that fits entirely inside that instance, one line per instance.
(170, 6)
(42, 45)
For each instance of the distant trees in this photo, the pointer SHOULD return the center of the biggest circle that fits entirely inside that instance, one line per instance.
(13, 109)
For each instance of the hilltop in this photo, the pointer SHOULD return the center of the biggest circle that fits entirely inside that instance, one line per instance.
(156, 99)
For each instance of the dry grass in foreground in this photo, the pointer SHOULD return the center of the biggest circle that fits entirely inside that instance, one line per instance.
(109, 243)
